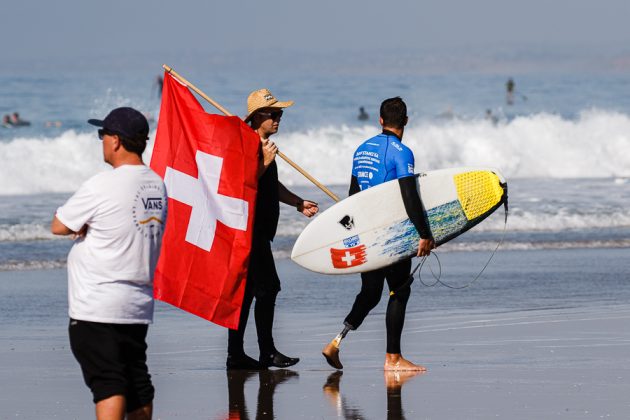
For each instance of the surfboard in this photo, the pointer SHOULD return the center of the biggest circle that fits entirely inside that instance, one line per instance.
(371, 230)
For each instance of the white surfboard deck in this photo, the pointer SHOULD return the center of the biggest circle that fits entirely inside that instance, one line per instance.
(371, 230)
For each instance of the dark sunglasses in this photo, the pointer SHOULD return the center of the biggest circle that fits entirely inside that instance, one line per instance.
(274, 115)
(103, 132)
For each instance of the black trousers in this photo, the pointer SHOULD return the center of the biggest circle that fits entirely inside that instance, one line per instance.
(372, 283)
(263, 284)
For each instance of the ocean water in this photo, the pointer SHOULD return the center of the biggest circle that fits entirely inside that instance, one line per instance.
(540, 329)
(563, 147)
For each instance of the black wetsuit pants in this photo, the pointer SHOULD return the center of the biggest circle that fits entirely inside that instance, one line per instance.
(371, 290)
(263, 284)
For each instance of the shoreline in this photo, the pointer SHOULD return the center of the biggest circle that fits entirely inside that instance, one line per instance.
(542, 334)
(530, 364)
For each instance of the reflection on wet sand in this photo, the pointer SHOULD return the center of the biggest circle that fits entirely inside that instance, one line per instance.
(268, 380)
(331, 391)
(394, 380)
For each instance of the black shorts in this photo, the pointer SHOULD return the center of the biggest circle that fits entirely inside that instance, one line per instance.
(113, 360)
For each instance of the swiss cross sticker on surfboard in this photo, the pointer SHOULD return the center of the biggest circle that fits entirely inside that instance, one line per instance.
(347, 257)
(371, 230)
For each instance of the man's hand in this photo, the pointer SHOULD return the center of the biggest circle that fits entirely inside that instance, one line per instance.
(81, 233)
(269, 150)
(307, 208)
(425, 246)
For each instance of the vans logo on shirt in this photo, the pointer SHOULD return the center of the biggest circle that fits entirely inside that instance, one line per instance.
(149, 211)
(152, 203)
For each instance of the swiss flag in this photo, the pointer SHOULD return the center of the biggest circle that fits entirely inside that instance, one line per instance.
(209, 165)
(348, 257)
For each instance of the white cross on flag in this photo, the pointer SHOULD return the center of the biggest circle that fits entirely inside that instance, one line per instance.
(209, 165)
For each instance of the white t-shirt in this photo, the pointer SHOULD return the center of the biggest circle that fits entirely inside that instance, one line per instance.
(110, 271)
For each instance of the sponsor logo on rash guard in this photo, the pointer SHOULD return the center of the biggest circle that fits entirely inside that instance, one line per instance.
(396, 145)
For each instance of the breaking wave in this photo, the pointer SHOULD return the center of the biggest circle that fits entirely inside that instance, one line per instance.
(542, 145)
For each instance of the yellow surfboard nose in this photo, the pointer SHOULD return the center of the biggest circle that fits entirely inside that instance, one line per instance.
(478, 192)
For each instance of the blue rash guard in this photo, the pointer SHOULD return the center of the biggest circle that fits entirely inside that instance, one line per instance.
(381, 159)
(384, 158)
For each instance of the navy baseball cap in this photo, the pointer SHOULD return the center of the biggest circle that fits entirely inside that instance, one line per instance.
(125, 121)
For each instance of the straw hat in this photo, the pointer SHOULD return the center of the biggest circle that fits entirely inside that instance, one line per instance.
(262, 98)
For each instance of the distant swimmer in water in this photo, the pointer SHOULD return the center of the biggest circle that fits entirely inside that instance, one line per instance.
(490, 117)
(16, 121)
(6, 121)
(363, 116)
(509, 92)
(447, 114)
(49, 124)
(159, 84)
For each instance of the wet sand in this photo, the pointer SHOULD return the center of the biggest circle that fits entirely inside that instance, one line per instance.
(564, 362)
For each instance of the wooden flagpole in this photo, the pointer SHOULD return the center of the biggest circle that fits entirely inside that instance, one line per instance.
(322, 187)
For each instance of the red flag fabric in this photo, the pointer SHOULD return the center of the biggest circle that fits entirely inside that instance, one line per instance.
(209, 165)
(348, 257)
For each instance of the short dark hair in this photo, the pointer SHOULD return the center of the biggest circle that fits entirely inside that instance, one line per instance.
(136, 146)
(394, 112)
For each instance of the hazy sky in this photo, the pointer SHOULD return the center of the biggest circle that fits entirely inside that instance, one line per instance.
(66, 29)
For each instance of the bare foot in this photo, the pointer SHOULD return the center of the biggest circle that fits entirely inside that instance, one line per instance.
(395, 362)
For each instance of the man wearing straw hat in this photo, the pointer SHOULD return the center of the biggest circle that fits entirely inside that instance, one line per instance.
(264, 112)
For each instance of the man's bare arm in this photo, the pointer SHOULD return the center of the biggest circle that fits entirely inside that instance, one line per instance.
(58, 228)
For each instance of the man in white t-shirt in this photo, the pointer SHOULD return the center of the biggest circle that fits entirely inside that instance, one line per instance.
(117, 218)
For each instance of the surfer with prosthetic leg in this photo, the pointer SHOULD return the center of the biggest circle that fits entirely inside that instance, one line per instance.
(380, 159)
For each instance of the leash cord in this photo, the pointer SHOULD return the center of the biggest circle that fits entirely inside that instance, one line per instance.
(439, 275)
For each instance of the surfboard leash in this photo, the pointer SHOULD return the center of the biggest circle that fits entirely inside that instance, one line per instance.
(439, 275)
(437, 279)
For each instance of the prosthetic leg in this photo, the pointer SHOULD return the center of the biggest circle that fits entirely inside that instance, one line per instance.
(331, 351)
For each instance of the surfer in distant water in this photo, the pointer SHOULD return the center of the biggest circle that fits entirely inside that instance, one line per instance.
(159, 85)
(49, 124)
(16, 121)
(447, 114)
(380, 159)
(264, 112)
(363, 116)
(490, 117)
(509, 91)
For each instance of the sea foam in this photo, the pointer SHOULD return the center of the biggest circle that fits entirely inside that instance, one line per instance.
(541, 145)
